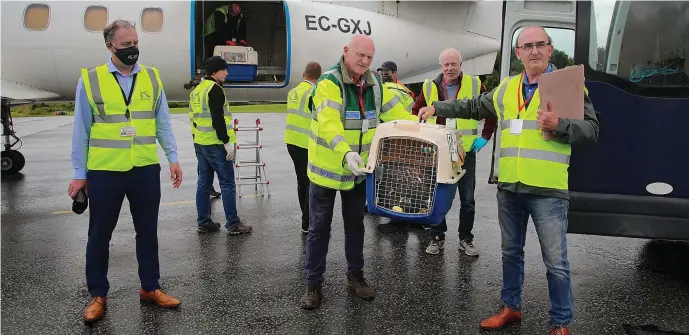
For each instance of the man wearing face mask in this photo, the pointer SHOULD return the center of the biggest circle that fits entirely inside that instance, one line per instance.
(388, 72)
(120, 111)
(448, 85)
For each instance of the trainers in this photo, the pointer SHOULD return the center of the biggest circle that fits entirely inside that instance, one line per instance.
(208, 227)
(435, 246)
(304, 228)
(312, 298)
(356, 281)
(468, 247)
(240, 228)
(213, 193)
(558, 330)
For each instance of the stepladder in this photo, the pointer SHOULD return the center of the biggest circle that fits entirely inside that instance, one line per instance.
(254, 163)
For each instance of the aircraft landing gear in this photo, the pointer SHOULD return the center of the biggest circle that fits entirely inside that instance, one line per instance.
(11, 161)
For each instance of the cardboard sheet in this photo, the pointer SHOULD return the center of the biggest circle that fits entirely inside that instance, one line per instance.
(565, 89)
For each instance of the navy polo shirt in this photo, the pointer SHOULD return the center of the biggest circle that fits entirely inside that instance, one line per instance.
(529, 89)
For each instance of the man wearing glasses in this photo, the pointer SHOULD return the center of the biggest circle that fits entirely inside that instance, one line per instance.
(533, 177)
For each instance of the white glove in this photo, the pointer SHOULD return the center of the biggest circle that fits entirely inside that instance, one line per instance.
(353, 160)
(229, 148)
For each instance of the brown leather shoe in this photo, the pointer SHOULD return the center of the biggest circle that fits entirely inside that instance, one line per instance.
(502, 318)
(558, 330)
(95, 309)
(159, 297)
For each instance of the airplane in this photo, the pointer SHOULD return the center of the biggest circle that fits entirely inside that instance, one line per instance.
(45, 44)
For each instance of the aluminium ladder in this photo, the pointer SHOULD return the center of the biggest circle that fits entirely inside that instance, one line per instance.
(259, 177)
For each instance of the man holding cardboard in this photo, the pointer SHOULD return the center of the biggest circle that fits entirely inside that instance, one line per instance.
(533, 177)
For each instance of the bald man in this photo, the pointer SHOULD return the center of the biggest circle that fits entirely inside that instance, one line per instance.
(337, 155)
(533, 177)
(451, 84)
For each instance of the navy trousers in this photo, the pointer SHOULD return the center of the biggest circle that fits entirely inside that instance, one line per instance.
(106, 191)
(321, 204)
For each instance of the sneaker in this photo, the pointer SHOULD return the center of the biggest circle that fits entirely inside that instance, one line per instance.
(304, 228)
(213, 193)
(240, 228)
(208, 227)
(312, 298)
(435, 246)
(558, 330)
(356, 281)
(468, 247)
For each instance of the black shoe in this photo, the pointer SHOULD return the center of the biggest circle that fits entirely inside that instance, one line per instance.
(304, 228)
(312, 298)
(208, 227)
(214, 194)
(356, 281)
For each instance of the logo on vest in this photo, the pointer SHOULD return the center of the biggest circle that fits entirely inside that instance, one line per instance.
(145, 95)
(293, 97)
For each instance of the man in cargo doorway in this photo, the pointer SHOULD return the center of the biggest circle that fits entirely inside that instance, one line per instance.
(451, 84)
(297, 128)
(225, 26)
(338, 147)
(236, 26)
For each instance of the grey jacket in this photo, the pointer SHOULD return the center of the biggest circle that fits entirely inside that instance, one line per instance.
(574, 132)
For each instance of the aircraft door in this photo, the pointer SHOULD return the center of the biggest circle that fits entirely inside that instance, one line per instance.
(558, 17)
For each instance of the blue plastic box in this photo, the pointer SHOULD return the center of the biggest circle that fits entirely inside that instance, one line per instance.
(241, 72)
(444, 196)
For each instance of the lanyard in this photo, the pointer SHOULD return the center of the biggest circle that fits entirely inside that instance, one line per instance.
(447, 92)
(521, 106)
(127, 101)
(361, 100)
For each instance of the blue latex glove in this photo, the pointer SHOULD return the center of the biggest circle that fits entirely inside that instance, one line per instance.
(478, 144)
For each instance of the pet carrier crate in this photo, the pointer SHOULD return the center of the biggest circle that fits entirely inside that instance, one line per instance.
(413, 169)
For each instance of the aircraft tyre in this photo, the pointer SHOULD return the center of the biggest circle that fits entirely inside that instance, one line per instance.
(12, 161)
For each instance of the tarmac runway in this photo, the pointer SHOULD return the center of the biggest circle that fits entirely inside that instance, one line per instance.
(252, 284)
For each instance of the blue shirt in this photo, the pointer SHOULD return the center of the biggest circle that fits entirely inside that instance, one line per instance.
(451, 92)
(83, 117)
(529, 89)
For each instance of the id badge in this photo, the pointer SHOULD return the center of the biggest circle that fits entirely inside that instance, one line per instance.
(128, 131)
(364, 125)
(451, 123)
(516, 126)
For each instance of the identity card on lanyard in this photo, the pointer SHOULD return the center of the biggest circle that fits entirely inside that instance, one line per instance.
(127, 131)
(517, 124)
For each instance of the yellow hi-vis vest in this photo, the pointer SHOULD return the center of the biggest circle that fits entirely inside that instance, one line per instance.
(527, 157)
(202, 124)
(337, 126)
(470, 87)
(399, 90)
(209, 26)
(109, 148)
(298, 115)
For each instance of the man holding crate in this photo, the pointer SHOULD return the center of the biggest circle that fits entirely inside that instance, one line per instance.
(347, 104)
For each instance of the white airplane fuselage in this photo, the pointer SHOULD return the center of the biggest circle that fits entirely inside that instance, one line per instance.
(46, 64)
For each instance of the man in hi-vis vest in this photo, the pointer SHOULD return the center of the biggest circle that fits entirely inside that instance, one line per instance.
(120, 112)
(214, 139)
(533, 175)
(452, 83)
(348, 103)
(297, 131)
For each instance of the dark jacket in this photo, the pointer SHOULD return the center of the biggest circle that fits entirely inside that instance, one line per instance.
(236, 27)
(488, 125)
(216, 101)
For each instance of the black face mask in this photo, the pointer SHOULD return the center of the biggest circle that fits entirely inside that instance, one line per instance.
(387, 78)
(128, 56)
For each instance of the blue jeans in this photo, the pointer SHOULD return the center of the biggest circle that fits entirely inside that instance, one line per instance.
(467, 203)
(549, 215)
(211, 158)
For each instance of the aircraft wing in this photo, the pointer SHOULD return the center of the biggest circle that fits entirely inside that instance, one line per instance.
(17, 91)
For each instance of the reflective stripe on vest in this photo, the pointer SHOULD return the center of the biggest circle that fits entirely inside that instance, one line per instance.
(528, 158)
(471, 87)
(209, 27)
(298, 115)
(403, 95)
(201, 116)
(325, 168)
(108, 149)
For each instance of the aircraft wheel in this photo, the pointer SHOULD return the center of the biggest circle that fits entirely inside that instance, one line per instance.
(12, 161)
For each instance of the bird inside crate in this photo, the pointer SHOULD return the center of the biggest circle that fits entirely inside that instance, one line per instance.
(413, 170)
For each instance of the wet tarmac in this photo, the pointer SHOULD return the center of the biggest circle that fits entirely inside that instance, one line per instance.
(252, 284)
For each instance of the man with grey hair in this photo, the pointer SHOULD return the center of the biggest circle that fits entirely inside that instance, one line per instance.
(451, 84)
(120, 111)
